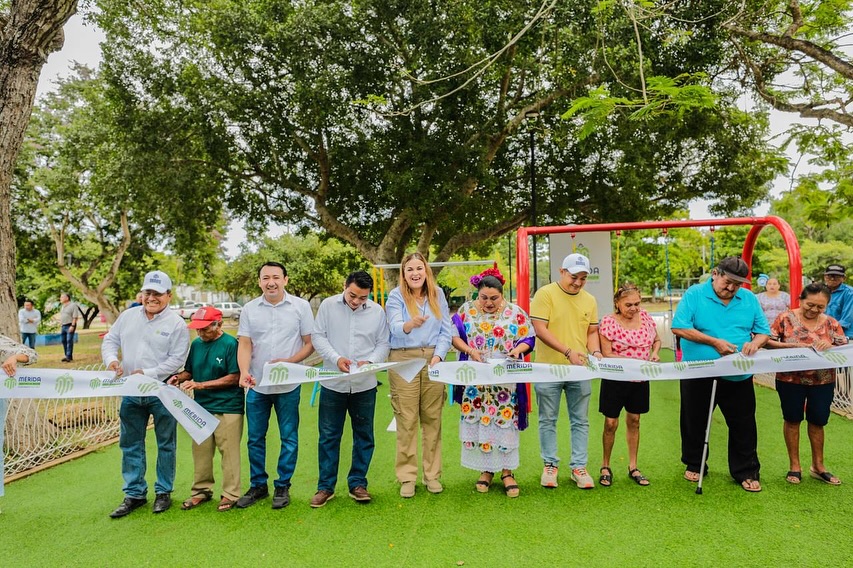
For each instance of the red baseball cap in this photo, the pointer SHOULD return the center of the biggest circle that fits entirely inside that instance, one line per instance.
(204, 316)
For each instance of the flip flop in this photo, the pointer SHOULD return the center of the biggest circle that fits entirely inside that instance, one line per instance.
(638, 477)
(692, 476)
(746, 484)
(824, 476)
(226, 504)
(195, 501)
(605, 479)
(794, 477)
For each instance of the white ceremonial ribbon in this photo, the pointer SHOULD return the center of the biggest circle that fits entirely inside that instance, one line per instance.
(502, 371)
(278, 376)
(60, 383)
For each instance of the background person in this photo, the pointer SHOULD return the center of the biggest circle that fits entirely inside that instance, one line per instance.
(419, 320)
(12, 354)
(807, 326)
(714, 319)
(211, 373)
(840, 305)
(350, 331)
(565, 318)
(68, 315)
(274, 327)
(153, 340)
(29, 319)
(773, 300)
(492, 415)
(631, 333)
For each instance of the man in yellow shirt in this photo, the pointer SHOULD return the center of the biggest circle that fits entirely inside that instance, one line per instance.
(565, 317)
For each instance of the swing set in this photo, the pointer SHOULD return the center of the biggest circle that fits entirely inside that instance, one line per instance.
(757, 224)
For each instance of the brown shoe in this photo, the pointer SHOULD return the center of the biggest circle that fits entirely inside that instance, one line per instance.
(321, 497)
(360, 494)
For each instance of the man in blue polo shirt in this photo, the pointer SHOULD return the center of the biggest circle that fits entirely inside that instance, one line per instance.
(714, 319)
(841, 301)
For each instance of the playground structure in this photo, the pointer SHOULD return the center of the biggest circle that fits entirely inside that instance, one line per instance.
(843, 400)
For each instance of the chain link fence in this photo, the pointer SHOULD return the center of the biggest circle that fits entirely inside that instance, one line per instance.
(43, 432)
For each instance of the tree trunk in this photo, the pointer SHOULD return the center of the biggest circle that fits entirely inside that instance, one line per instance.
(28, 34)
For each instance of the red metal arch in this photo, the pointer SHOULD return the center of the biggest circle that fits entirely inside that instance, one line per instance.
(795, 264)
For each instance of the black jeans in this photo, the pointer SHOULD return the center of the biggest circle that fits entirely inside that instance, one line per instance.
(736, 400)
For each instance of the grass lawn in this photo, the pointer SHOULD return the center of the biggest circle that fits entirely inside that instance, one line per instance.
(59, 517)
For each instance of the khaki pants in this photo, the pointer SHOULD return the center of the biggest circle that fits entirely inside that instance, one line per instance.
(227, 438)
(421, 400)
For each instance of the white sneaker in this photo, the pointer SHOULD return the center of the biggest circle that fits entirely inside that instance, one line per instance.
(582, 478)
(549, 476)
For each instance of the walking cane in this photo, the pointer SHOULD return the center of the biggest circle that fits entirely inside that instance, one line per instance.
(707, 437)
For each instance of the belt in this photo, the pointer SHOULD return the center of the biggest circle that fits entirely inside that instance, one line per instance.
(424, 348)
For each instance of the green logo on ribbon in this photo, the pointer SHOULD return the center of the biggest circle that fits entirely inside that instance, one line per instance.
(368, 367)
(836, 358)
(499, 370)
(743, 364)
(559, 371)
(278, 375)
(10, 382)
(64, 383)
(466, 374)
(95, 383)
(651, 370)
(776, 359)
(312, 373)
(177, 403)
(680, 366)
(146, 388)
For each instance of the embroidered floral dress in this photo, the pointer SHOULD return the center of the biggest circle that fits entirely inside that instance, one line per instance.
(488, 427)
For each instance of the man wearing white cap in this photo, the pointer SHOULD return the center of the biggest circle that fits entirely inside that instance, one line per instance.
(211, 373)
(565, 317)
(153, 341)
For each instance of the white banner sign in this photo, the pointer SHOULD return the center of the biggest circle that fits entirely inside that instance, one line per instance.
(503, 371)
(61, 383)
(278, 376)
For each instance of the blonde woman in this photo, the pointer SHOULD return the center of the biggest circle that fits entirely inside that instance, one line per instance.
(420, 328)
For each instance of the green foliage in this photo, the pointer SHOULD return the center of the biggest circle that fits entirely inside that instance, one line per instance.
(316, 266)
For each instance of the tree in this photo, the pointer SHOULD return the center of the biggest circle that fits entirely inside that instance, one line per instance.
(30, 30)
(392, 124)
(96, 188)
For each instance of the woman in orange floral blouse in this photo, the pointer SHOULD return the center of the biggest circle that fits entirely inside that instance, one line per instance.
(492, 415)
(807, 326)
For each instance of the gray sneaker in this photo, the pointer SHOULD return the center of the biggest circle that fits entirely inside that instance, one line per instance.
(582, 478)
(549, 476)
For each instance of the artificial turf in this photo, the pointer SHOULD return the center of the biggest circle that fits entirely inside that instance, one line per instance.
(59, 517)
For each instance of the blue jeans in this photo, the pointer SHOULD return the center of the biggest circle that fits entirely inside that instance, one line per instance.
(577, 402)
(4, 406)
(134, 413)
(334, 407)
(258, 409)
(29, 339)
(68, 341)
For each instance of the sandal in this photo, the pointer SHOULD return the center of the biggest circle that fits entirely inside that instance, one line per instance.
(638, 477)
(510, 488)
(794, 477)
(484, 482)
(195, 501)
(747, 485)
(824, 476)
(691, 476)
(605, 479)
(226, 504)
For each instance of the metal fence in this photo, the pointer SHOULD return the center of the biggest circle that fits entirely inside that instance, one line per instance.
(43, 432)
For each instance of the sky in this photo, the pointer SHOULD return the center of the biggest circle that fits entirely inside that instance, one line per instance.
(82, 45)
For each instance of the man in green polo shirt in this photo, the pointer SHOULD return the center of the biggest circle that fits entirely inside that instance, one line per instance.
(212, 373)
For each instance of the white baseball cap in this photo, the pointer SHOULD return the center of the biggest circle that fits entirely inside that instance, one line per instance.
(158, 281)
(576, 263)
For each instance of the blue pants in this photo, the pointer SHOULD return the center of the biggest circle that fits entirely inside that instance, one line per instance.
(29, 339)
(548, 397)
(334, 407)
(258, 410)
(134, 413)
(68, 341)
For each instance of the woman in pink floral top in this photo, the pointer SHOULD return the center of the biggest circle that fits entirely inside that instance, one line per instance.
(807, 326)
(489, 424)
(630, 333)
